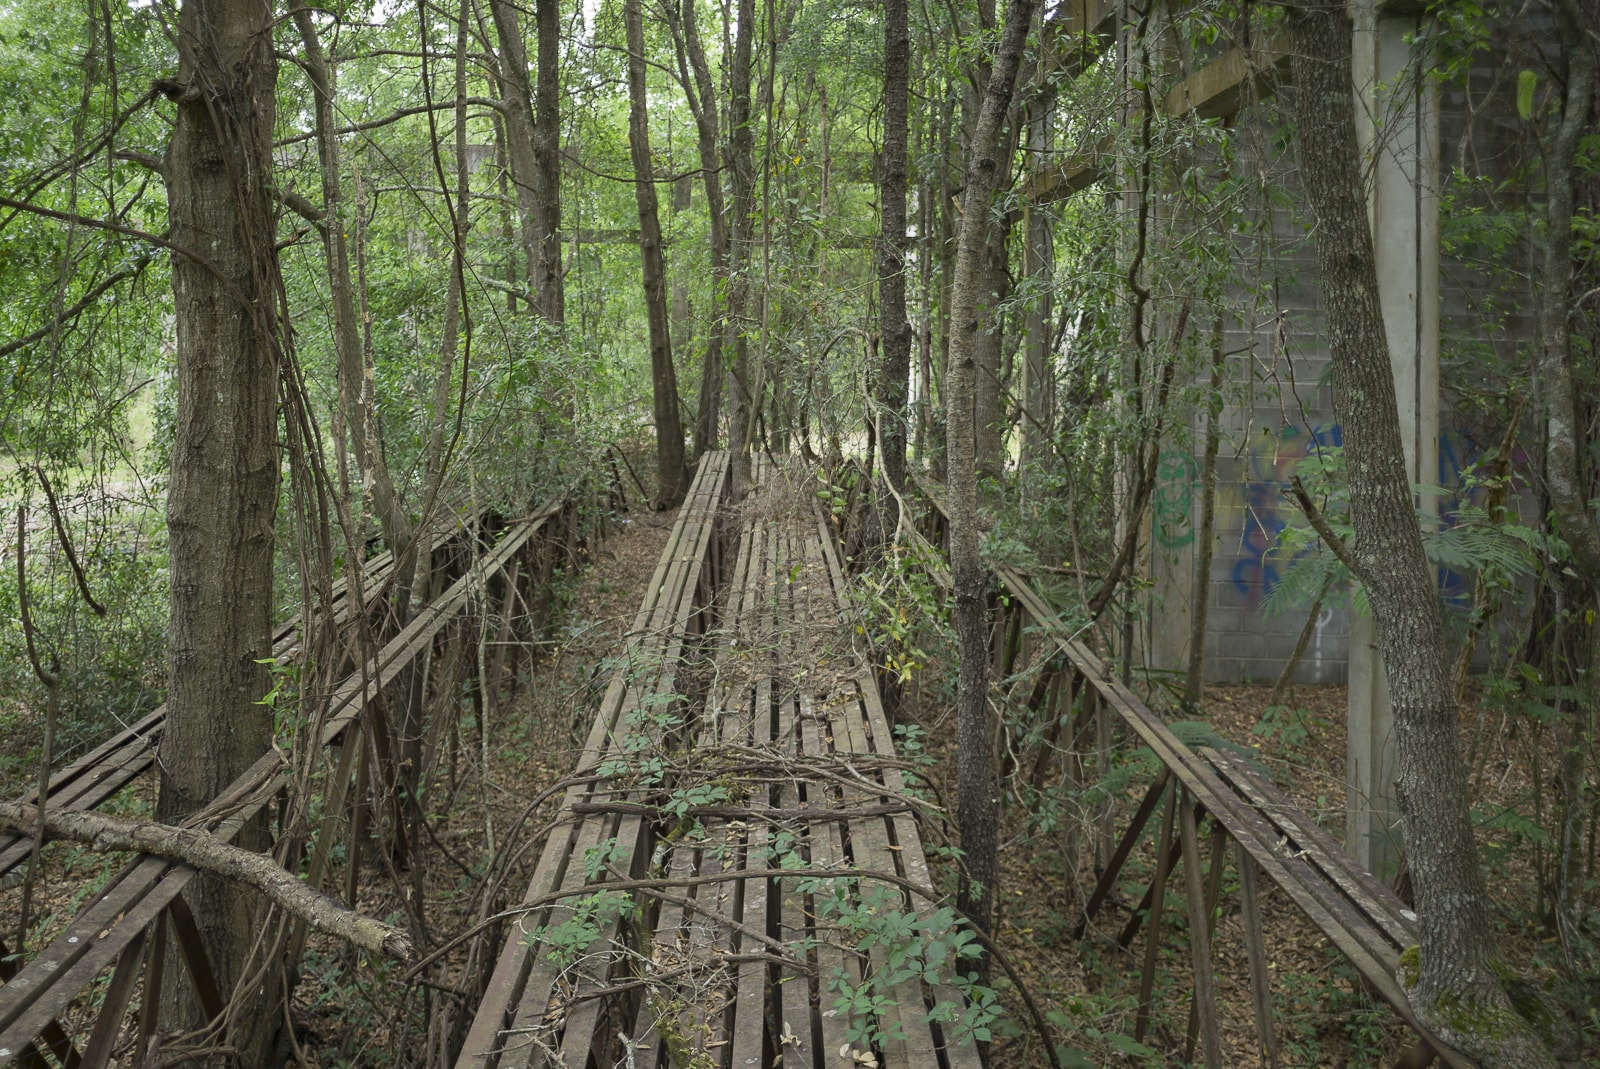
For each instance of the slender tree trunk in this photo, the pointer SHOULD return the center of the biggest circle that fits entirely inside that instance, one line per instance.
(223, 496)
(741, 161)
(1205, 539)
(550, 280)
(701, 92)
(519, 128)
(392, 518)
(894, 368)
(979, 810)
(1453, 983)
(671, 471)
(1568, 482)
(989, 413)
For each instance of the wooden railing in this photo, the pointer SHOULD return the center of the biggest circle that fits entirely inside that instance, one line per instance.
(128, 925)
(1079, 708)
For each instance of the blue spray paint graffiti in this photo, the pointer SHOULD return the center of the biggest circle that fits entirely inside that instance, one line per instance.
(1261, 511)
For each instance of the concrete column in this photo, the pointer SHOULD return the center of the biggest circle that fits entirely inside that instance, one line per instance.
(1397, 121)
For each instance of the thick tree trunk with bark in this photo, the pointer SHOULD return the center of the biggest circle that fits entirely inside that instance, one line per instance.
(223, 495)
(533, 141)
(1453, 981)
(894, 367)
(978, 813)
(672, 473)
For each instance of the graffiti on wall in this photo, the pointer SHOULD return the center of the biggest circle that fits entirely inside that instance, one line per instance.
(1252, 510)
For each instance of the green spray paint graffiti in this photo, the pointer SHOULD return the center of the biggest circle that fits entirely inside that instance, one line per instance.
(1172, 502)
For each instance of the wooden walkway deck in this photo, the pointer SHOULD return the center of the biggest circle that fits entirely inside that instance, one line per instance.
(744, 782)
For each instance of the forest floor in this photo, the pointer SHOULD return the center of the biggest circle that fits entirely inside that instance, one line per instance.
(347, 1013)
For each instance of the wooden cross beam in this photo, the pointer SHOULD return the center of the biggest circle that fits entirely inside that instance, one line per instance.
(1215, 91)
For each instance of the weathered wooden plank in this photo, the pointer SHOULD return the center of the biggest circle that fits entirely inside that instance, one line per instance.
(1365, 891)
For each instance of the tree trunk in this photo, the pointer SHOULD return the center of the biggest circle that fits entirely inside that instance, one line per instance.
(672, 474)
(1453, 983)
(1206, 537)
(1564, 471)
(741, 162)
(894, 368)
(362, 436)
(549, 280)
(519, 127)
(988, 411)
(223, 496)
(701, 93)
(978, 813)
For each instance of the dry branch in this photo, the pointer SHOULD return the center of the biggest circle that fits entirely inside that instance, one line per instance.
(207, 853)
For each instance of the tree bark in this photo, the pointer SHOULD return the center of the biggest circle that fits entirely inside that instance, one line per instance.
(1453, 983)
(894, 367)
(1206, 537)
(1564, 471)
(533, 122)
(353, 414)
(209, 854)
(672, 474)
(741, 162)
(978, 812)
(519, 129)
(549, 280)
(223, 495)
(701, 93)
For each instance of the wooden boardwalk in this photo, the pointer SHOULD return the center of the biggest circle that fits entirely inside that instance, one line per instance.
(744, 784)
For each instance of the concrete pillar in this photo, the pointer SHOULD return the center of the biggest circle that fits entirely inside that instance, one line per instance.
(1397, 121)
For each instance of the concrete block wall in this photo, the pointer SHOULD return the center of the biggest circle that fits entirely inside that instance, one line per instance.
(1281, 411)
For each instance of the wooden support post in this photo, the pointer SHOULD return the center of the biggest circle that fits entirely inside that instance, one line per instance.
(1107, 817)
(1199, 935)
(338, 789)
(187, 933)
(1157, 897)
(1108, 878)
(1219, 852)
(1013, 641)
(497, 662)
(108, 1025)
(1137, 918)
(150, 1000)
(1256, 951)
(1055, 713)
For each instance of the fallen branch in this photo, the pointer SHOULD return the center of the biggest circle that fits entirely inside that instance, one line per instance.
(208, 854)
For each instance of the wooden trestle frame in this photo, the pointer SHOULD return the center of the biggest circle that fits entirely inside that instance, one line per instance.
(1082, 708)
(128, 926)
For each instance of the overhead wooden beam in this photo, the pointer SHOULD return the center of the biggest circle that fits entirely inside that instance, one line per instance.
(1078, 32)
(1236, 77)
(1215, 91)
